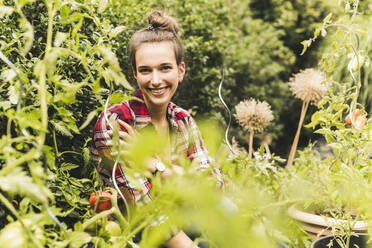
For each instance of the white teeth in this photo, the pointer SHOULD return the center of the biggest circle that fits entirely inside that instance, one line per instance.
(157, 91)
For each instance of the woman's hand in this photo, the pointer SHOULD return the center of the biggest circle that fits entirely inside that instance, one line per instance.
(127, 134)
(151, 165)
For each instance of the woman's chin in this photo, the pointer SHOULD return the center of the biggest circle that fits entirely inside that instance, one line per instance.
(159, 100)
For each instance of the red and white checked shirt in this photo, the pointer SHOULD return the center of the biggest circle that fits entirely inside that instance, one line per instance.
(186, 140)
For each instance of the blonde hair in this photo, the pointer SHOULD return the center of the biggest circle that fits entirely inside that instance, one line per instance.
(161, 28)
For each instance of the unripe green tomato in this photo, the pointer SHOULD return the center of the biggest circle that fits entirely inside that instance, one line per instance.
(113, 228)
(13, 236)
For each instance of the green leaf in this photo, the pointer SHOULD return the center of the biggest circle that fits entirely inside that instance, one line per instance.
(68, 166)
(102, 5)
(24, 2)
(89, 118)
(19, 183)
(317, 32)
(117, 77)
(29, 119)
(77, 239)
(8, 75)
(117, 30)
(66, 213)
(65, 14)
(59, 39)
(76, 182)
(86, 155)
(109, 57)
(5, 105)
(118, 97)
(13, 94)
(306, 44)
(50, 156)
(28, 35)
(6, 11)
(61, 127)
(327, 18)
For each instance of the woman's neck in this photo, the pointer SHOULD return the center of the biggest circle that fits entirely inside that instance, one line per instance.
(159, 120)
(158, 115)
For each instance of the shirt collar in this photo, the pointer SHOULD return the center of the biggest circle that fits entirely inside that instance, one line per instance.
(140, 109)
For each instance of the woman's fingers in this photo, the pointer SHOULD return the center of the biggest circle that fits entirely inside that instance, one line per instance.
(128, 127)
(121, 143)
(122, 152)
(122, 134)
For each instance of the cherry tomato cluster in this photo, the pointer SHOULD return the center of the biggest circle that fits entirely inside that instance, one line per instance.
(104, 202)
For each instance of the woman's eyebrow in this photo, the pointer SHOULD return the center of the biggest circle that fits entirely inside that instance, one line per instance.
(143, 66)
(165, 63)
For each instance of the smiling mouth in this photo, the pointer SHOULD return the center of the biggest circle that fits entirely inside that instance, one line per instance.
(158, 91)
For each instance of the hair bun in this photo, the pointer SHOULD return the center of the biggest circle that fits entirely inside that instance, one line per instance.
(160, 21)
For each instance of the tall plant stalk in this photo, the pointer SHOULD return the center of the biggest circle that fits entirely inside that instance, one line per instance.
(250, 152)
(292, 153)
(42, 79)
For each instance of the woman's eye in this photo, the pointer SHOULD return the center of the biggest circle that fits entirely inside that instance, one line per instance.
(144, 70)
(166, 68)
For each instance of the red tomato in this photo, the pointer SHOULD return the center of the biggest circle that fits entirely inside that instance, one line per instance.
(103, 204)
(360, 122)
(357, 113)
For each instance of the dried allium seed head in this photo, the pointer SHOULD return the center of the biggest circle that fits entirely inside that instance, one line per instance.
(308, 85)
(253, 115)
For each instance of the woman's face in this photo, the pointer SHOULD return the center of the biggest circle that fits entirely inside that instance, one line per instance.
(157, 73)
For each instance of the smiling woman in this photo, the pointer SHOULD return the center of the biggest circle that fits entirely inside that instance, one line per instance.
(158, 66)
(158, 75)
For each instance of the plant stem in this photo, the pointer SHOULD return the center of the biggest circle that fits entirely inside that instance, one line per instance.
(68, 152)
(55, 142)
(142, 225)
(267, 148)
(305, 105)
(123, 222)
(117, 213)
(98, 216)
(250, 144)
(42, 80)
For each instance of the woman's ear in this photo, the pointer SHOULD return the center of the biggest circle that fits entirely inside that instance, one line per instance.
(181, 71)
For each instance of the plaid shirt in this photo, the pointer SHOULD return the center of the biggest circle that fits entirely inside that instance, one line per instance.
(187, 141)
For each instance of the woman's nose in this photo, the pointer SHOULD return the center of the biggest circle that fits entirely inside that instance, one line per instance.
(155, 78)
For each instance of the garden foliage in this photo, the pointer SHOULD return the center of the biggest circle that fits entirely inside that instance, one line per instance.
(61, 59)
